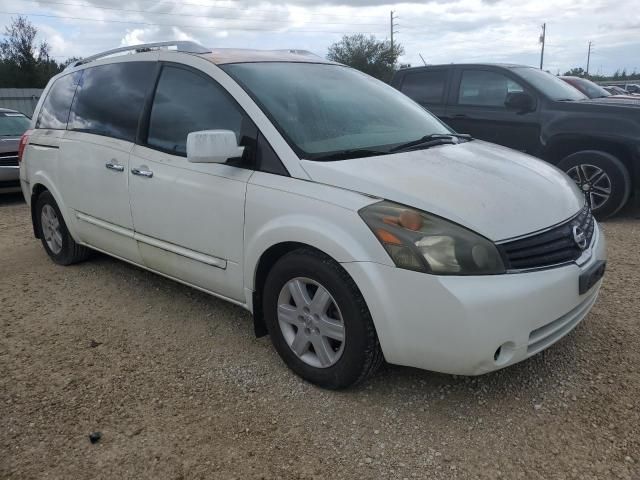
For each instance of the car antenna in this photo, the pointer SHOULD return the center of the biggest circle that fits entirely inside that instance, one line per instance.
(422, 58)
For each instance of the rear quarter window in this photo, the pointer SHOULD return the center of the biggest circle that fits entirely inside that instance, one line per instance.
(110, 98)
(55, 109)
(425, 86)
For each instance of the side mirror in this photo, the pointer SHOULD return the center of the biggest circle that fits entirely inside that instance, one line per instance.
(212, 146)
(521, 102)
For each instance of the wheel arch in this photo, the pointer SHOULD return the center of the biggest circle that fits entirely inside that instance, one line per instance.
(561, 146)
(36, 191)
(264, 265)
(40, 184)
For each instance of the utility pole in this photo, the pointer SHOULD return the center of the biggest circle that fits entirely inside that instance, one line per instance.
(392, 28)
(543, 37)
(589, 57)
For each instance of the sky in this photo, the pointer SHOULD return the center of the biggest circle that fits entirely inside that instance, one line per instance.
(442, 31)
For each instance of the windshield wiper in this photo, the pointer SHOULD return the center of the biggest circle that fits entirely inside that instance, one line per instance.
(433, 140)
(352, 153)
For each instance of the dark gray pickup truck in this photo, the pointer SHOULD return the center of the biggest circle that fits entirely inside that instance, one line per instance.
(12, 125)
(596, 142)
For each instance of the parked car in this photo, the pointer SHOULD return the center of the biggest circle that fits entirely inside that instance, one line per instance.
(12, 125)
(615, 90)
(352, 223)
(629, 88)
(632, 88)
(597, 141)
(593, 90)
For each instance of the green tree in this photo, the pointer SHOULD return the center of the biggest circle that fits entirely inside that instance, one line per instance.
(575, 72)
(367, 54)
(25, 63)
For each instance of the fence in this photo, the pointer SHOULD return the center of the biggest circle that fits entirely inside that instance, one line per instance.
(21, 99)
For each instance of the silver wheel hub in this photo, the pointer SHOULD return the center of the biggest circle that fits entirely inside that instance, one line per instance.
(594, 182)
(51, 229)
(311, 322)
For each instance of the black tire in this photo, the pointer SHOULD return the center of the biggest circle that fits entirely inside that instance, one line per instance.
(71, 252)
(617, 173)
(361, 356)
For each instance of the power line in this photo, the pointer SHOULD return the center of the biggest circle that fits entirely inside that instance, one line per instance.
(191, 14)
(193, 4)
(203, 27)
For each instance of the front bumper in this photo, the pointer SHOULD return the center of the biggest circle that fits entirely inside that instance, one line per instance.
(476, 324)
(9, 178)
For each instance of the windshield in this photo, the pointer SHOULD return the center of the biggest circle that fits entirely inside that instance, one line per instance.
(548, 84)
(590, 89)
(13, 124)
(323, 109)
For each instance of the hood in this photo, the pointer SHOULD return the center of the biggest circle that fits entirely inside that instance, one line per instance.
(497, 192)
(627, 100)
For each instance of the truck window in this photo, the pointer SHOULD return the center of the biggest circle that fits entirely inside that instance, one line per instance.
(425, 86)
(483, 88)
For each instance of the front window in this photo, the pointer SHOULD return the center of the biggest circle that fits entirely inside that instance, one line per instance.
(486, 89)
(322, 109)
(13, 124)
(550, 85)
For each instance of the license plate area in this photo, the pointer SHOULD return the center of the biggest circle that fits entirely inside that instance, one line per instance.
(589, 278)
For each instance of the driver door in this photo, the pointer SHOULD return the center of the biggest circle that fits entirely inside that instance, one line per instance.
(479, 109)
(189, 217)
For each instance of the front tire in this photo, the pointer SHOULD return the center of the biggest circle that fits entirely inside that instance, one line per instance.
(603, 178)
(319, 322)
(53, 232)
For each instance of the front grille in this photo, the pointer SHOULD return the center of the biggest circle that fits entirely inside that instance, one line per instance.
(8, 160)
(552, 247)
(9, 183)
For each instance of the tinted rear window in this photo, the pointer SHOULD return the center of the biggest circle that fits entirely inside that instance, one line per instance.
(55, 109)
(425, 87)
(110, 98)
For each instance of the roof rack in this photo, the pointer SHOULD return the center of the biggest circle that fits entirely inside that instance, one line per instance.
(298, 52)
(184, 47)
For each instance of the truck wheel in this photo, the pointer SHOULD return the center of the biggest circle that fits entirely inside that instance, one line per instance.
(603, 178)
(318, 321)
(56, 239)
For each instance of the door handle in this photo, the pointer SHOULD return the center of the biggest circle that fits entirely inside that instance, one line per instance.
(114, 166)
(142, 173)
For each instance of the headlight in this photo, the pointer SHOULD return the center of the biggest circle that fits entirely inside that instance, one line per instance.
(419, 241)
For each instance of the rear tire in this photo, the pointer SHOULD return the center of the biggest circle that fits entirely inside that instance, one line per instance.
(53, 232)
(603, 178)
(352, 359)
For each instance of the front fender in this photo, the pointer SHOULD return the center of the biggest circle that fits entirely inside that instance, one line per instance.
(277, 216)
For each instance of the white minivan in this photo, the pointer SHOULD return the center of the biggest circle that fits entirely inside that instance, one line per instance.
(352, 223)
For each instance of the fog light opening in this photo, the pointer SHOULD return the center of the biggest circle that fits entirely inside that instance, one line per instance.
(504, 353)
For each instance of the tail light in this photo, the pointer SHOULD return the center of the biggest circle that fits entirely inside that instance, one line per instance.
(23, 143)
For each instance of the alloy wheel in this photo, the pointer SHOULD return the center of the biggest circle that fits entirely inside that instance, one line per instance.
(51, 229)
(594, 182)
(311, 322)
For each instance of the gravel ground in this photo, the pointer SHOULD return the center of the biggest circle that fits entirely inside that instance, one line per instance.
(179, 387)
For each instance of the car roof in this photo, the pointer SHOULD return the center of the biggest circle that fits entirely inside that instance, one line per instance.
(222, 56)
(499, 65)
